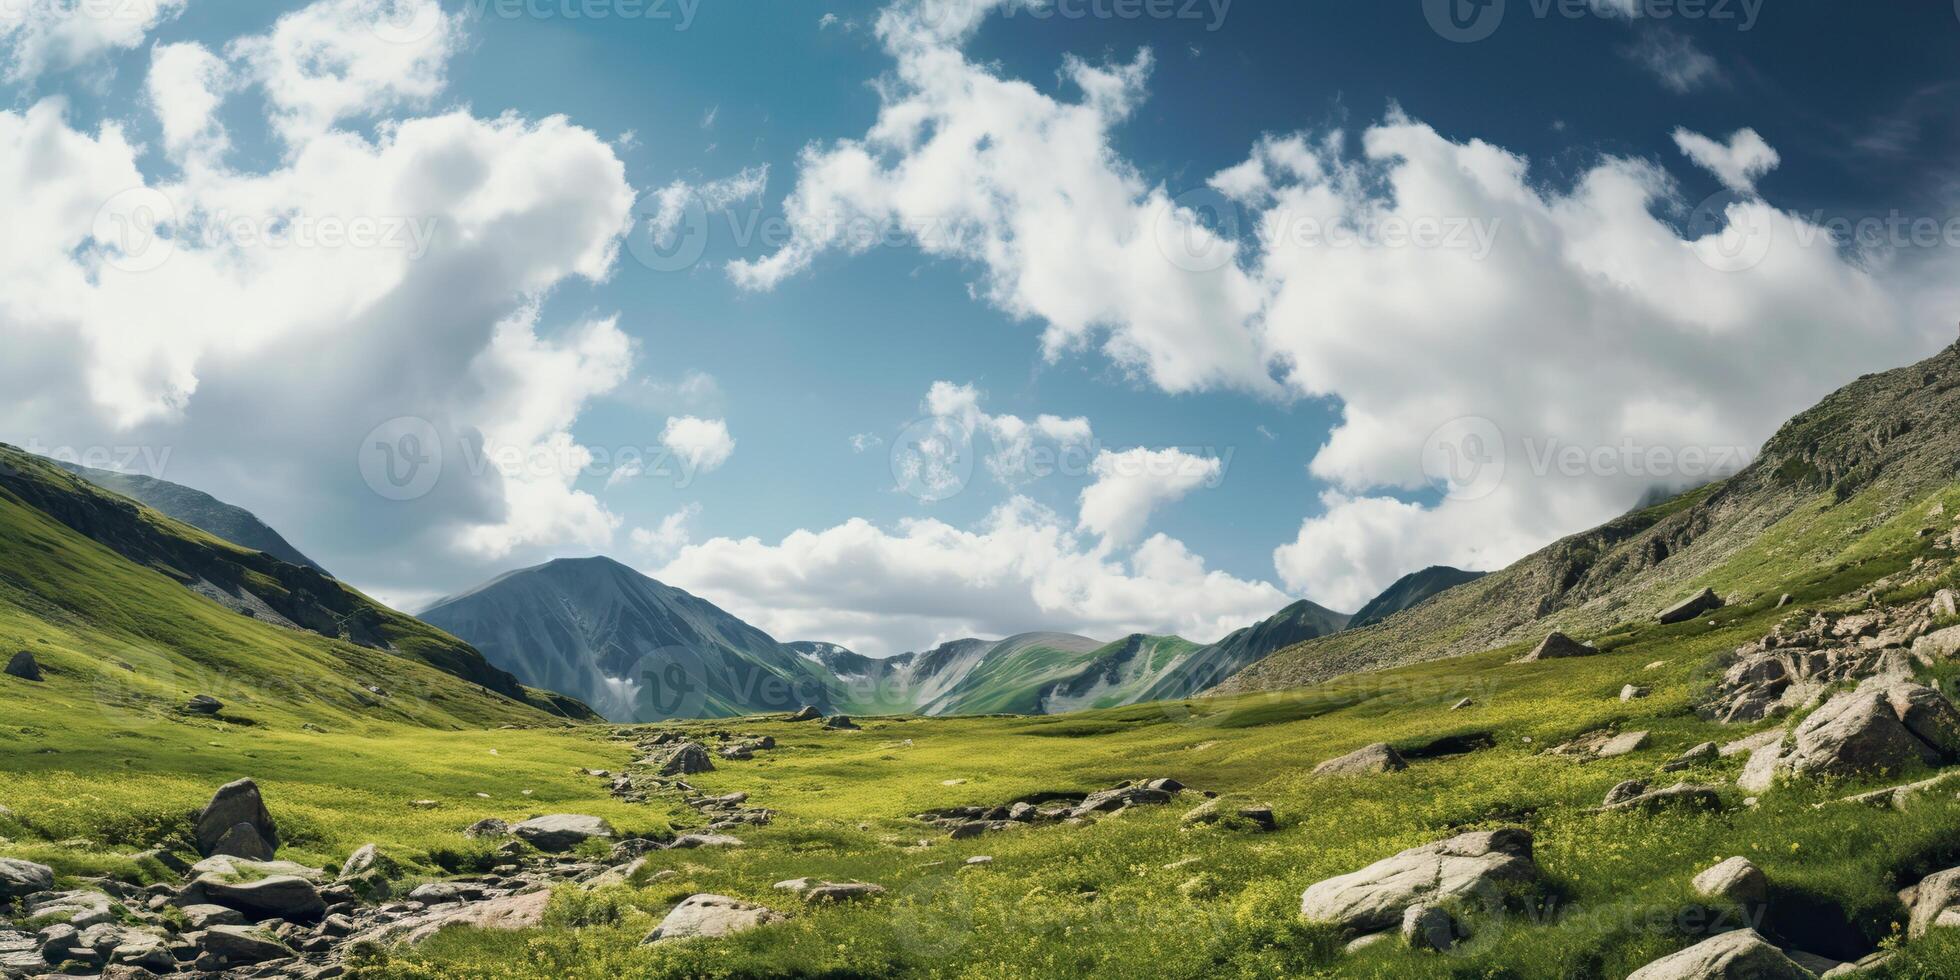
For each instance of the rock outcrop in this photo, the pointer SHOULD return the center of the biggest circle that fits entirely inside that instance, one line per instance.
(23, 666)
(1702, 602)
(1473, 867)
(701, 916)
(561, 831)
(1556, 647)
(237, 823)
(1740, 955)
(1377, 758)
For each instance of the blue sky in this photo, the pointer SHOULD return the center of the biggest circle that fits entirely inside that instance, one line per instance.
(1574, 328)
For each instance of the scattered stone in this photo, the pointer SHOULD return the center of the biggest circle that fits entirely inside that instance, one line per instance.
(1934, 902)
(561, 832)
(19, 879)
(979, 859)
(1737, 880)
(240, 945)
(1729, 956)
(204, 704)
(1759, 773)
(685, 759)
(1557, 646)
(203, 917)
(507, 914)
(1677, 795)
(736, 752)
(489, 827)
(692, 841)
(1468, 867)
(1460, 705)
(1785, 600)
(1624, 791)
(1946, 603)
(840, 723)
(1633, 693)
(1656, 665)
(1941, 645)
(1876, 727)
(841, 892)
(1702, 602)
(1363, 942)
(237, 818)
(1428, 927)
(1705, 752)
(806, 713)
(1377, 758)
(279, 897)
(1623, 744)
(711, 916)
(1211, 812)
(80, 908)
(24, 667)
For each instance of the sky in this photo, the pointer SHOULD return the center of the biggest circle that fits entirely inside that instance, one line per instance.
(886, 323)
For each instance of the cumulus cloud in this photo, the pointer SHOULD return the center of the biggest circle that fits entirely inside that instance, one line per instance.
(673, 202)
(272, 327)
(343, 59)
(1130, 485)
(663, 541)
(38, 36)
(1675, 60)
(1417, 279)
(955, 419)
(1737, 163)
(702, 444)
(885, 591)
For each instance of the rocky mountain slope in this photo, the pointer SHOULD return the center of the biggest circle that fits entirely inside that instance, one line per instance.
(1409, 591)
(633, 648)
(1829, 481)
(198, 509)
(115, 601)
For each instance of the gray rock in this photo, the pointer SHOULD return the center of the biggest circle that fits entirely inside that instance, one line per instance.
(1736, 879)
(850, 891)
(1873, 728)
(206, 916)
(510, 913)
(1759, 773)
(687, 842)
(840, 722)
(1740, 955)
(1460, 705)
(806, 713)
(1557, 647)
(23, 666)
(1469, 867)
(233, 804)
(1940, 645)
(1633, 693)
(1121, 798)
(1377, 758)
(1705, 752)
(1702, 602)
(686, 759)
(204, 704)
(145, 951)
(709, 916)
(1624, 791)
(364, 859)
(1684, 795)
(19, 879)
(1428, 927)
(240, 945)
(562, 831)
(286, 897)
(243, 841)
(1946, 603)
(1935, 901)
(488, 827)
(1625, 743)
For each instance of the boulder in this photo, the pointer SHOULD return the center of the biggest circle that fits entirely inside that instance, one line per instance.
(1765, 760)
(488, 827)
(1557, 647)
(840, 722)
(1876, 727)
(240, 945)
(1624, 743)
(1470, 867)
(806, 713)
(561, 831)
(1935, 901)
(202, 917)
(1428, 927)
(1941, 645)
(143, 950)
(1685, 795)
(1702, 602)
(204, 704)
(234, 804)
(707, 916)
(1946, 603)
(1624, 791)
(850, 891)
(1121, 798)
(688, 842)
(1705, 752)
(738, 753)
(1740, 955)
(23, 666)
(1633, 692)
(1376, 758)
(287, 897)
(1736, 880)
(80, 908)
(507, 914)
(19, 879)
(686, 759)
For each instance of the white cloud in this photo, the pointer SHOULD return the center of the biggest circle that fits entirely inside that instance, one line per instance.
(187, 84)
(884, 591)
(1737, 164)
(1011, 439)
(38, 36)
(342, 59)
(665, 540)
(678, 198)
(1567, 314)
(864, 442)
(1675, 59)
(703, 444)
(1130, 485)
(133, 315)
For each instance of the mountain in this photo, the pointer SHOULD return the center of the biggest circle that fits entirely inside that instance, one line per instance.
(125, 605)
(1207, 667)
(1838, 485)
(1411, 590)
(633, 648)
(198, 509)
